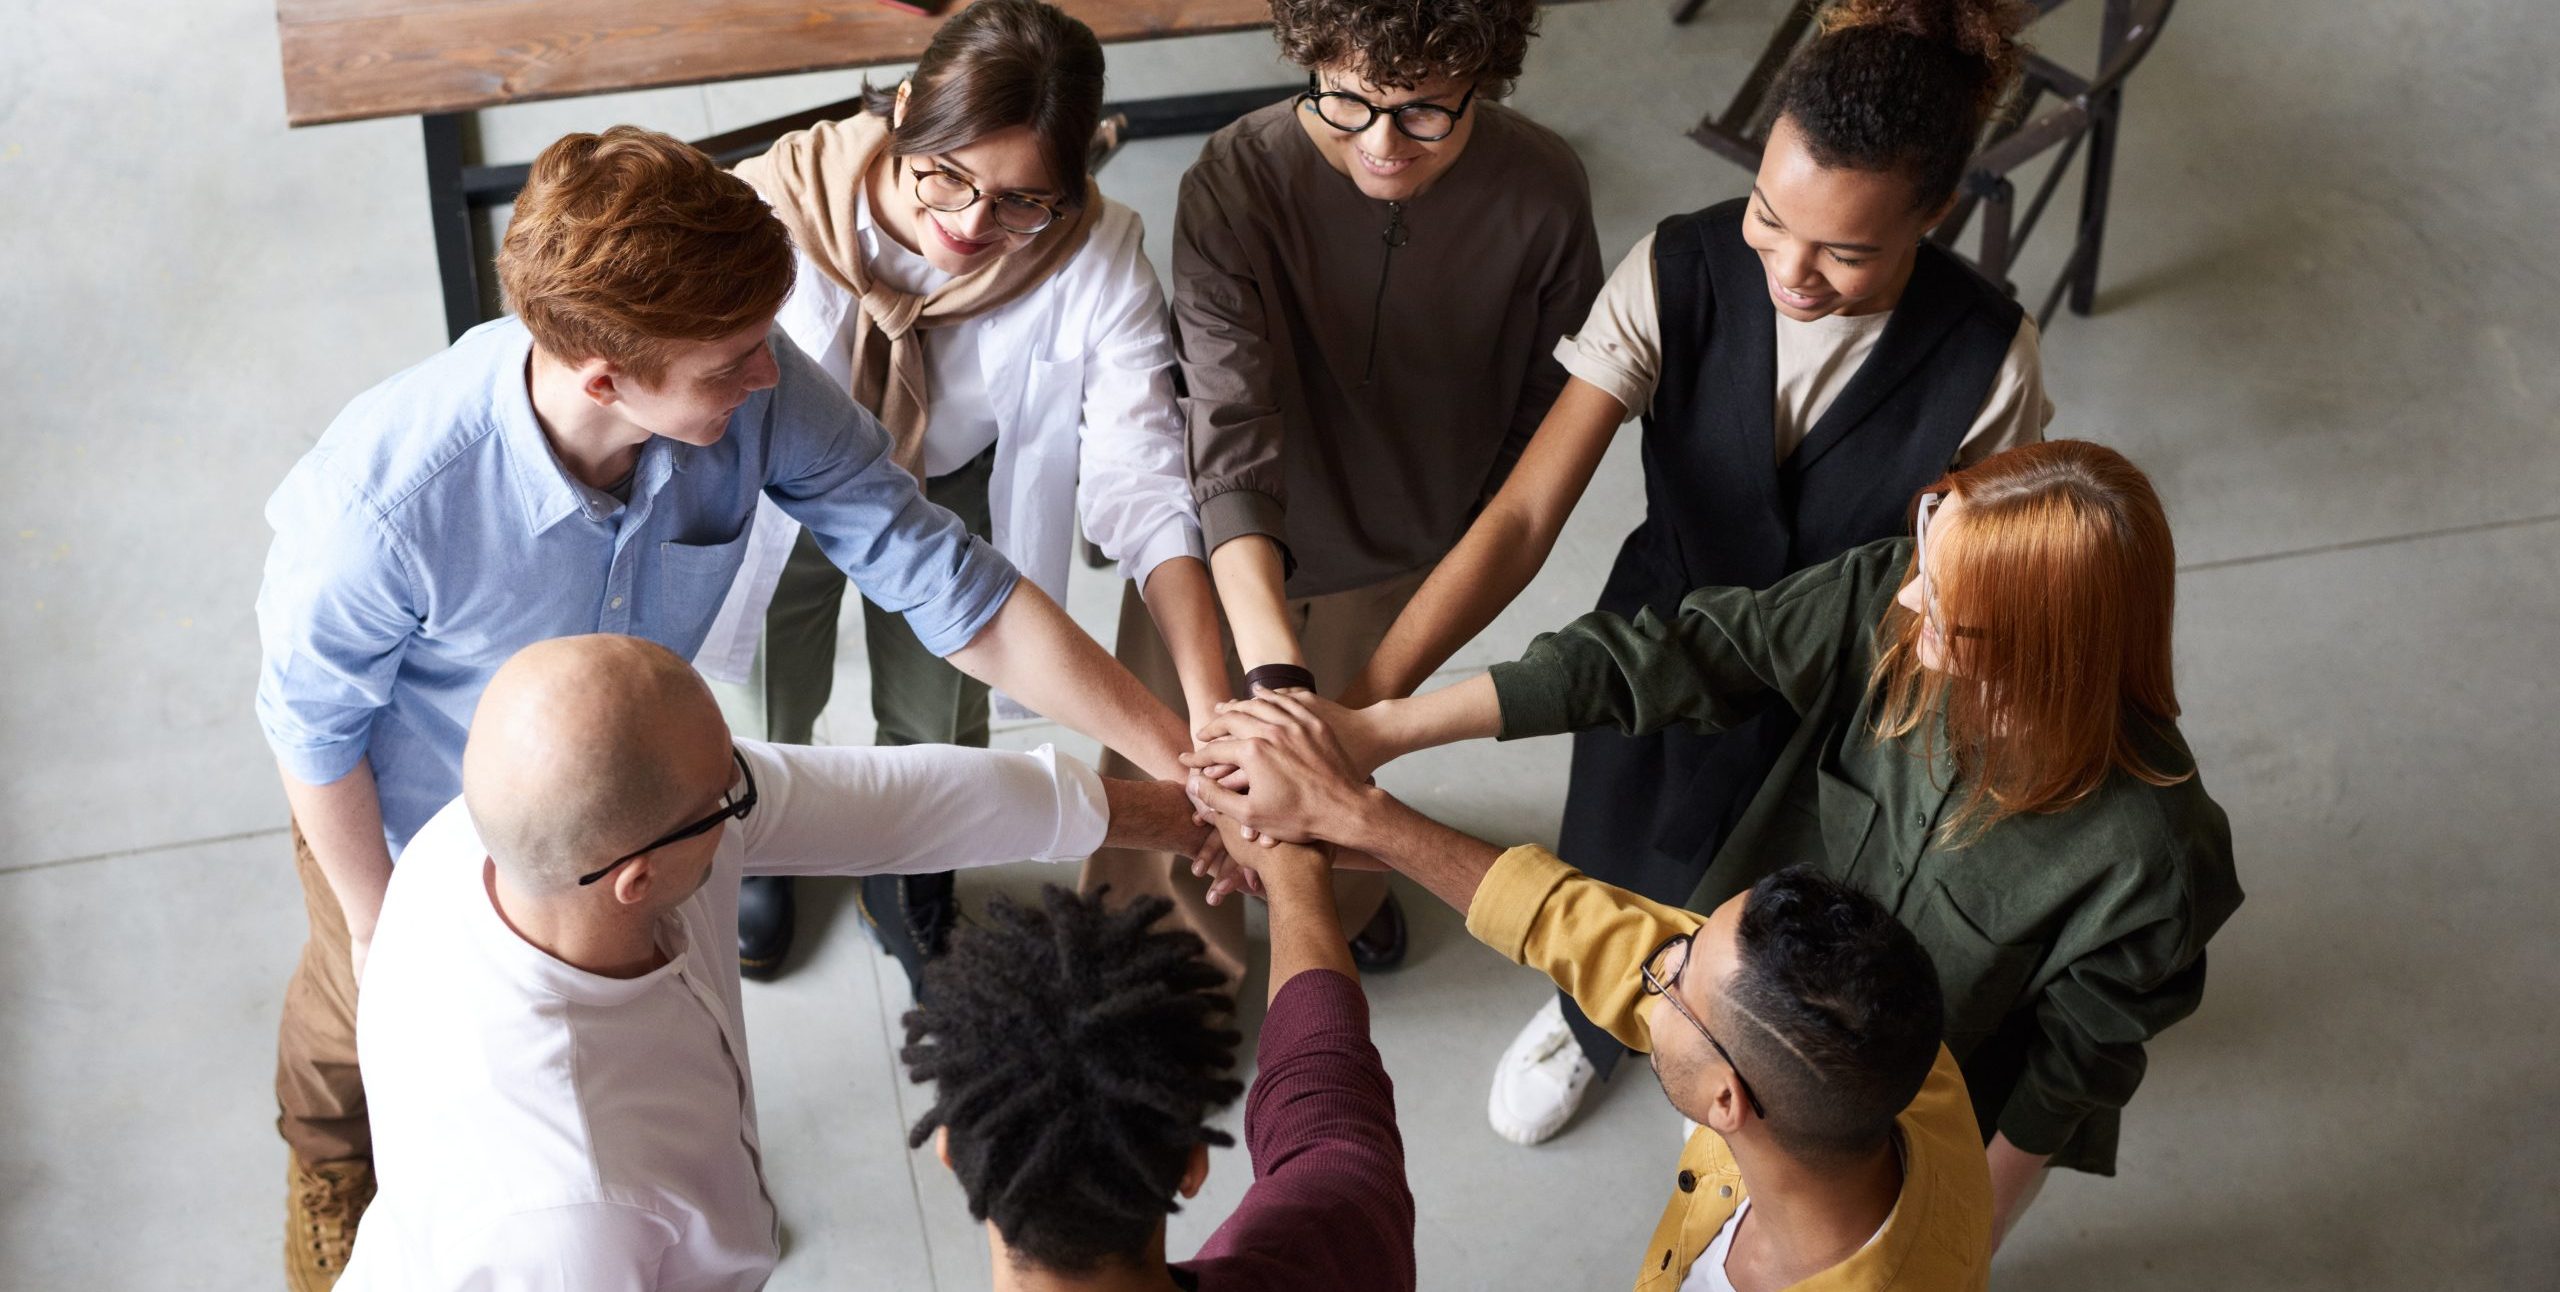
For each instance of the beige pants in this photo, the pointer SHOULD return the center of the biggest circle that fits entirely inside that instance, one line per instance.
(319, 1095)
(1338, 632)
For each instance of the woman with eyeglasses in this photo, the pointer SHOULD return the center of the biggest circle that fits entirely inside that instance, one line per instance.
(1984, 739)
(1803, 361)
(962, 275)
(1369, 280)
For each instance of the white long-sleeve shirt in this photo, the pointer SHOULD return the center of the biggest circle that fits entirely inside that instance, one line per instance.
(537, 1126)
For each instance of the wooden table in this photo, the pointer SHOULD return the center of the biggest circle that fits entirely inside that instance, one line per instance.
(439, 60)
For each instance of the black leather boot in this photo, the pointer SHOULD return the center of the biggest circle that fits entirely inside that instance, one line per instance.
(765, 911)
(912, 915)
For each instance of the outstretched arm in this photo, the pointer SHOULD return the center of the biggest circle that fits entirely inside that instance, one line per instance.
(1502, 550)
(1034, 653)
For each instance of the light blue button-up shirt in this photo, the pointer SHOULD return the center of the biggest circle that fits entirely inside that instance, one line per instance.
(431, 534)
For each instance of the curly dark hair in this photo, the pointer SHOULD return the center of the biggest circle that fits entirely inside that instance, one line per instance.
(1401, 43)
(1839, 1013)
(1904, 85)
(1076, 1053)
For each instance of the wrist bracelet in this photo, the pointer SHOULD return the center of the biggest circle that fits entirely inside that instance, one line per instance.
(1279, 677)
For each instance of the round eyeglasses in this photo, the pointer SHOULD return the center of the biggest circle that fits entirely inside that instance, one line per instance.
(942, 190)
(1349, 113)
(1666, 986)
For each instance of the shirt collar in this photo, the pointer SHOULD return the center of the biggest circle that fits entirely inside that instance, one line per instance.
(538, 971)
(542, 484)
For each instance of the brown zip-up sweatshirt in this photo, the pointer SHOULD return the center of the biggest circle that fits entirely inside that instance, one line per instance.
(1363, 374)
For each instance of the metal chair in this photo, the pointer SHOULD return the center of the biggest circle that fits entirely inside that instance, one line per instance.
(2087, 112)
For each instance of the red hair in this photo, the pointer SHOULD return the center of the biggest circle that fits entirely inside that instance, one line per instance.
(2056, 585)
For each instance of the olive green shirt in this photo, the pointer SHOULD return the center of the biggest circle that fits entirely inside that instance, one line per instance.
(2064, 941)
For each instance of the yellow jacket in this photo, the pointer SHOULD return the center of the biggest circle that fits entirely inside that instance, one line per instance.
(1592, 938)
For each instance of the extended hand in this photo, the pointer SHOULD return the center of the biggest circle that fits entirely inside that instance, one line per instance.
(1302, 785)
(1359, 734)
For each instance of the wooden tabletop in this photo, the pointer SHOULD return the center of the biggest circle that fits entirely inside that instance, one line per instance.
(345, 60)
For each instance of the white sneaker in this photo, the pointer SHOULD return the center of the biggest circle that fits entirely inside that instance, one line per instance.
(1540, 1080)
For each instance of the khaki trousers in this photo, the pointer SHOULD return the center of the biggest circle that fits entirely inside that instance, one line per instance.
(319, 1093)
(1338, 632)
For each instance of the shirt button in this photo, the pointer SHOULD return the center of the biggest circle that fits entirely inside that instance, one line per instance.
(1897, 866)
(617, 604)
(1688, 1181)
(1724, 1191)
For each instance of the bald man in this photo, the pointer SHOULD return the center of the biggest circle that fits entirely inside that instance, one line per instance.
(550, 1026)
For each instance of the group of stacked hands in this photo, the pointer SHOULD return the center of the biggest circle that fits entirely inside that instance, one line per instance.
(1897, 859)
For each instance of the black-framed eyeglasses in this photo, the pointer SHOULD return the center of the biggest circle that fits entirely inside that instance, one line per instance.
(945, 191)
(1349, 113)
(1656, 985)
(734, 805)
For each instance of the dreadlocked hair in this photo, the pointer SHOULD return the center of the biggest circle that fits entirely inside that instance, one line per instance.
(1075, 1053)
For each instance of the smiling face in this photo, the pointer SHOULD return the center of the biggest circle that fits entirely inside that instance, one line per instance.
(1832, 241)
(703, 385)
(1384, 162)
(1000, 164)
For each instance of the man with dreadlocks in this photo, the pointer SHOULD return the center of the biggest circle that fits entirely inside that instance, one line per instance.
(1077, 1051)
(1798, 1024)
(552, 1038)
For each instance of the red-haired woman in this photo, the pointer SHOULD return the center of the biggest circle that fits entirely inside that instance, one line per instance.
(1987, 743)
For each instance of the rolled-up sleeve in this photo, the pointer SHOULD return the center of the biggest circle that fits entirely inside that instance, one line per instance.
(1728, 654)
(828, 467)
(1591, 938)
(1134, 495)
(1235, 430)
(860, 809)
(2092, 1024)
(336, 608)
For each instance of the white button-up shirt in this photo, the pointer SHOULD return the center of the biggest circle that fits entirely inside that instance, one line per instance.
(537, 1126)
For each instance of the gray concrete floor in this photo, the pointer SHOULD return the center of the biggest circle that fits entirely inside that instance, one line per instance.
(2327, 330)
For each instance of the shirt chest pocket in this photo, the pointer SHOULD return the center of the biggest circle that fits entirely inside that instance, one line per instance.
(1983, 979)
(693, 579)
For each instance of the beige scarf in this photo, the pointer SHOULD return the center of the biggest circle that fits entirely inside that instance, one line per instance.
(814, 180)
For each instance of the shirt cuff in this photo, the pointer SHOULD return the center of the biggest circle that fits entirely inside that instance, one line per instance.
(1531, 693)
(1239, 513)
(1177, 537)
(1617, 380)
(318, 764)
(2035, 1124)
(954, 619)
(1509, 897)
(1084, 812)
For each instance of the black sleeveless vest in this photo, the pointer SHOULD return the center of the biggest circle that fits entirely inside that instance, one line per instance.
(1722, 511)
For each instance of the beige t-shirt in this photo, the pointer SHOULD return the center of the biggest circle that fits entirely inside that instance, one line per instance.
(1619, 350)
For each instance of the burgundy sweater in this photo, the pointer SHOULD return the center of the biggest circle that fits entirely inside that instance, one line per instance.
(1328, 1207)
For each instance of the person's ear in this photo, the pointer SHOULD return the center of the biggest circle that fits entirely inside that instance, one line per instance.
(1196, 1173)
(1940, 215)
(600, 381)
(635, 881)
(1726, 1108)
(898, 109)
(942, 1146)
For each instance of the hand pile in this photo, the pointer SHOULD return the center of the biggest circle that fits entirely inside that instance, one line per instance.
(1283, 767)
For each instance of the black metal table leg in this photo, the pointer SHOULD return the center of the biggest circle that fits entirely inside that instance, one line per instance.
(2104, 112)
(449, 210)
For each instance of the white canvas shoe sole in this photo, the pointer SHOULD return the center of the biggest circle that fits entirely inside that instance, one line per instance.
(1540, 1080)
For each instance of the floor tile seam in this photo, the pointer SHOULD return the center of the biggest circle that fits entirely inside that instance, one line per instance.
(2360, 544)
(142, 851)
